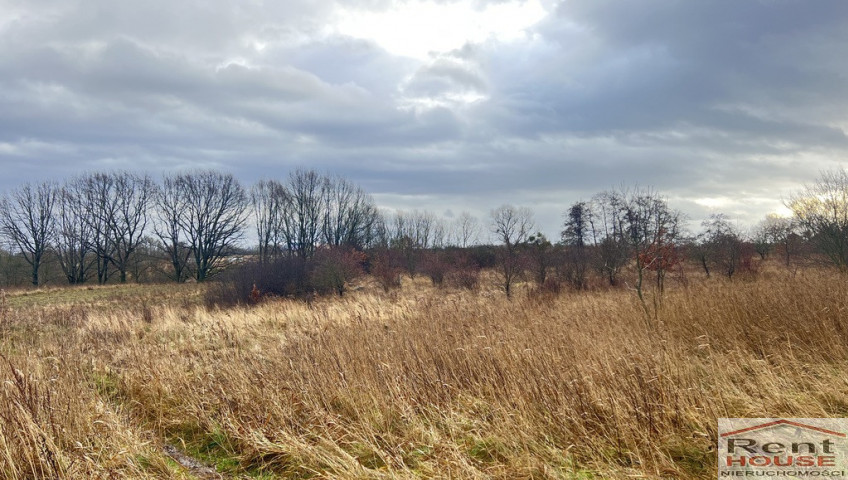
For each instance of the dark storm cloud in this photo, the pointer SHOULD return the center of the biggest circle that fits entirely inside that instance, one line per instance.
(733, 100)
(724, 97)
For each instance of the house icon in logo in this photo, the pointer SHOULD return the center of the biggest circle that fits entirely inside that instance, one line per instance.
(783, 422)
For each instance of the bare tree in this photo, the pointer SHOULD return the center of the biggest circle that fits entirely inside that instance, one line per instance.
(775, 231)
(13, 269)
(73, 240)
(382, 230)
(821, 208)
(303, 217)
(635, 225)
(99, 195)
(411, 233)
(609, 225)
(440, 234)
(761, 239)
(171, 205)
(653, 229)
(404, 241)
(147, 257)
(721, 245)
(132, 197)
(466, 230)
(421, 226)
(349, 214)
(512, 226)
(782, 232)
(26, 219)
(309, 210)
(270, 200)
(214, 217)
(117, 205)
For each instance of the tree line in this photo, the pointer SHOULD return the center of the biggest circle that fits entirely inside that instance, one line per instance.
(94, 225)
(114, 226)
(99, 227)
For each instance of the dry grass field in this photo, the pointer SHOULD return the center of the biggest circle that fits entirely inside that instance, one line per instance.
(418, 383)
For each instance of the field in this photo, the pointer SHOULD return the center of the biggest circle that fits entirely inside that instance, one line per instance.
(147, 382)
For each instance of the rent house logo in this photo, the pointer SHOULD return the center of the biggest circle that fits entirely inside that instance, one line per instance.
(783, 447)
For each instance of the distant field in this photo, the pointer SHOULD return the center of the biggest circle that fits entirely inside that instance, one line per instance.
(146, 382)
(107, 295)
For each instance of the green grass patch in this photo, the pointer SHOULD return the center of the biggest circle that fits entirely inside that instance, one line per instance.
(417, 455)
(213, 448)
(694, 460)
(107, 385)
(366, 456)
(488, 450)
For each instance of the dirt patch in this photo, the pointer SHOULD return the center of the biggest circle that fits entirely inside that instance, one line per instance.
(193, 465)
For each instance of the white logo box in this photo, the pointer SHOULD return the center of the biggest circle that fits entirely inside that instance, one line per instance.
(783, 447)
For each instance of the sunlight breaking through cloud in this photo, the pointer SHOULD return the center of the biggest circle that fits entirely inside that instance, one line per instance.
(422, 28)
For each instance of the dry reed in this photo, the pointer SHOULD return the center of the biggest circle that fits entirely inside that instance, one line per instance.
(421, 383)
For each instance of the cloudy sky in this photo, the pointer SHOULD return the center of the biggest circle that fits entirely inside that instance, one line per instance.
(722, 105)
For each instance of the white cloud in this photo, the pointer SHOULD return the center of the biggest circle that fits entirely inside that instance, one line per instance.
(419, 29)
(440, 104)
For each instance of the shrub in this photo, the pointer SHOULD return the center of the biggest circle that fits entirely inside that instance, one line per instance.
(333, 267)
(483, 256)
(468, 279)
(436, 265)
(747, 264)
(386, 269)
(464, 272)
(328, 271)
(250, 282)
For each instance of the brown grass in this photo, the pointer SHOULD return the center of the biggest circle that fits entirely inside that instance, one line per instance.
(420, 383)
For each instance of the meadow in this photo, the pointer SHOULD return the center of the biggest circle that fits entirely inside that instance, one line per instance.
(146, 381)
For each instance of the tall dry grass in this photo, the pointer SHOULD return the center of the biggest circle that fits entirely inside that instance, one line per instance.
(421, 383)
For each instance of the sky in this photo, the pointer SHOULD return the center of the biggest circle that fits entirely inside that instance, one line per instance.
(721, 105)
